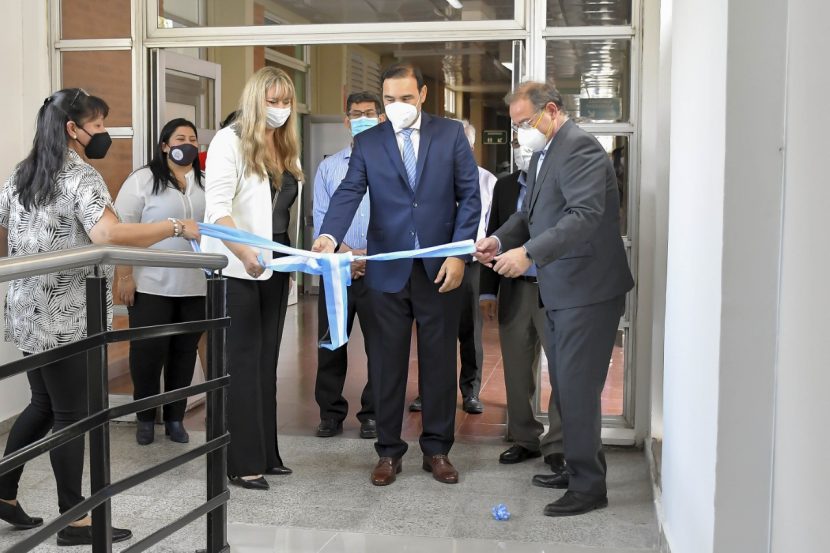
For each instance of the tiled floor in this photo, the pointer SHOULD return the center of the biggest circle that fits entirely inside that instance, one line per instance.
(329, 505)
(298, 413)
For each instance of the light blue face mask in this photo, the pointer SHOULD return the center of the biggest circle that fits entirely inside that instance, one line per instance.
(362, 123)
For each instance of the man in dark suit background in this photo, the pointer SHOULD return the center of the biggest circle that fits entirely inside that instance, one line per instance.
(569, 227)
(423, 182)
(522, 331)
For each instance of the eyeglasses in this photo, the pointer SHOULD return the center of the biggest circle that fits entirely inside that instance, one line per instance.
(525, 125)
(357, 114)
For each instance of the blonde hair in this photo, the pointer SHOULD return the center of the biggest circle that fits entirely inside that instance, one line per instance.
(251, 128)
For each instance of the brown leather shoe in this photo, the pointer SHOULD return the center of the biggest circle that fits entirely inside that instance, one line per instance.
(384, 472)
(441, 468)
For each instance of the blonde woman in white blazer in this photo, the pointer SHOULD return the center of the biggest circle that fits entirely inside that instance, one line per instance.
(253, 177)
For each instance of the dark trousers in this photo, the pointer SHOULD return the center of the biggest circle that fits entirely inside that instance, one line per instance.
(257, 312)
(175, 354)
(469, 332)
(331, 365)
(522, 332)
(436, 318)
(59, 399)
(581, 341)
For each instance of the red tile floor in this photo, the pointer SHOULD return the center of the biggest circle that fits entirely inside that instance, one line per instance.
(298, 412)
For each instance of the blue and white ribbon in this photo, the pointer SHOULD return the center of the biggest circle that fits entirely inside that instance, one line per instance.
(333, 268)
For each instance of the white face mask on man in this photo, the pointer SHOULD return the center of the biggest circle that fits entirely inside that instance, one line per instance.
(532, 139)
(401, 115)
(276, 117)
(521, 156)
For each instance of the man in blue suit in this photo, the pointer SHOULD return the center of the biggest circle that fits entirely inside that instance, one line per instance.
(423, 181)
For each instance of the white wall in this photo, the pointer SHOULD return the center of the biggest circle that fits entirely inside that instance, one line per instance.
(25, 69)
(801, 485)
(693, 274)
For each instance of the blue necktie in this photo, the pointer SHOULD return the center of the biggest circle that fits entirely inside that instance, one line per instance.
(410, 162)
(409, 159)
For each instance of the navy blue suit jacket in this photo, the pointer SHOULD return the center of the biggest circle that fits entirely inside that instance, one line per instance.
(444, 207)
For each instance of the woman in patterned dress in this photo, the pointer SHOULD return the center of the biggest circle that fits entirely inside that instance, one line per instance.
(54, 201)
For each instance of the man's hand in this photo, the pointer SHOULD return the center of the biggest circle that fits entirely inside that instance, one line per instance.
(489, 309)
(452, 271)
(358, 267)
(512, 263)
(323, 244)
(486, 250)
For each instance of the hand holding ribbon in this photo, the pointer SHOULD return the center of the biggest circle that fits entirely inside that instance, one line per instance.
(333, 268)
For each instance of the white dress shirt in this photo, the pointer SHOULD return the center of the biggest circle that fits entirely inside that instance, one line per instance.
(486, 183)
(415, 137)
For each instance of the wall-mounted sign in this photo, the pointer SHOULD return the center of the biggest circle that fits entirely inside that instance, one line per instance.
(494, 137)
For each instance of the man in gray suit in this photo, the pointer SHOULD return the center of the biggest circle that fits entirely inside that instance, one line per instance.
(569, 228)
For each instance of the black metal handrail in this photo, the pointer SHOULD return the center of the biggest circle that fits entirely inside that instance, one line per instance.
(100, 414)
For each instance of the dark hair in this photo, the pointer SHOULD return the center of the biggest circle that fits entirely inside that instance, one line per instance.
(162, 176)
(539, 94)
(404, 69)
(361, 97)
(35, 176)
(229, 119)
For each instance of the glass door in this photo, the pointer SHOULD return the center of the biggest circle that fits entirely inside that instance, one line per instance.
(184, 86)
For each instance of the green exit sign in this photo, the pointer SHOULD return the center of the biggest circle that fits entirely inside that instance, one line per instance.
(494, 137)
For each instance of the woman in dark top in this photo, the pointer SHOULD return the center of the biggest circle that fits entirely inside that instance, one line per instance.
(252, 180)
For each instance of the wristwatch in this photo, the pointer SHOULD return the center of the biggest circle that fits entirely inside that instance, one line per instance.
(527, 254)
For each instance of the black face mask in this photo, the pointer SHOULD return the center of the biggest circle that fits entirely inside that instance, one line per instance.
(183, 154)
(98, 145)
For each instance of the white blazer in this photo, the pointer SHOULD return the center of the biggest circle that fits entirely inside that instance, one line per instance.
(246, 199)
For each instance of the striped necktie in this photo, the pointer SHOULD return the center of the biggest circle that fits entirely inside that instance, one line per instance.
(409, 159)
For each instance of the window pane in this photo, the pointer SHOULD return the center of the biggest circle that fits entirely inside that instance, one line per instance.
(192, 13)
(95, 19)
(191, 97)
(107, 74)
(117, 165)
(577, 13)
(593, 76)
(617, 148)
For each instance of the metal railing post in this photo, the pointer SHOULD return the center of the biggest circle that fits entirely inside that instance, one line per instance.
(98, 400)
(216, 423)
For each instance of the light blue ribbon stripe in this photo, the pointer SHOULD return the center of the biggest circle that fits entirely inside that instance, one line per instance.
(333, 268)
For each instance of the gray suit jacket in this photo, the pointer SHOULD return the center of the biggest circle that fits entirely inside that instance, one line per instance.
(570, 223)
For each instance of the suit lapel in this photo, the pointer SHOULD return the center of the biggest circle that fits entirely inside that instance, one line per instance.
(390, 143)
(423, 146)
(547, 162)
(530, 181)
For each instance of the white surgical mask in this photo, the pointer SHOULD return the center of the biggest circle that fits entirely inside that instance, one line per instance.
(401, 115)
(277, 117)
(521, 156)
(533, 139)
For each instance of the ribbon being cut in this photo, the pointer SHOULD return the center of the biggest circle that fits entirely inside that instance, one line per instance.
(333, 268)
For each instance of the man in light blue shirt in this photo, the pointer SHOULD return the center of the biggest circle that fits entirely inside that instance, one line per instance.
(363, 111)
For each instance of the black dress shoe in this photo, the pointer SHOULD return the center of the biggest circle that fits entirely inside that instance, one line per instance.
(17, 517)
(175, 430)
(328, 428)
(556, 462)
(516, 454)
(368, 429)
(473, 405)
(575, 503)
(557, 480)
(82, 535)
(255, 484)
(145, 433)
(280, 470)
(416, 406)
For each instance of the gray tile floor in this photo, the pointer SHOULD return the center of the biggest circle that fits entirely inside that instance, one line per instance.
(330, 500)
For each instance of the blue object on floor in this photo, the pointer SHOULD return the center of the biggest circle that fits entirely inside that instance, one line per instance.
(500, 512)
